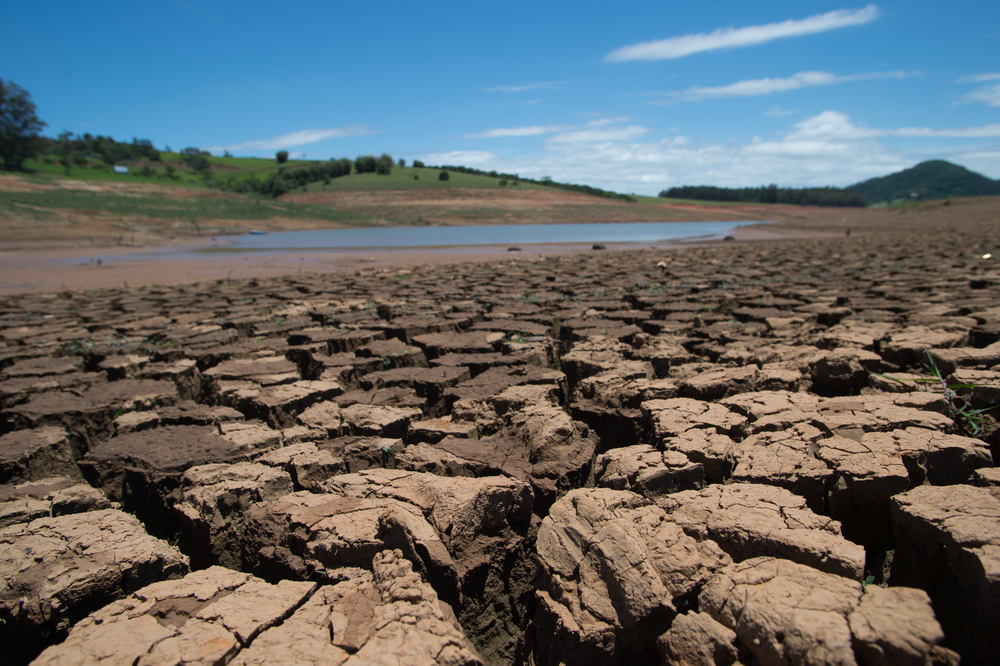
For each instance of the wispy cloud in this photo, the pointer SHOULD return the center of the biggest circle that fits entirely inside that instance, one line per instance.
(540, 85)
(502, 132)
(979, 78)
(728, 38)
(293, 139)
(588, 130)
(777, 112)
(755, 87)
(986, 94)
(597, 134)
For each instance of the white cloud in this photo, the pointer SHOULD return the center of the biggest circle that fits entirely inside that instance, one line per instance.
(778, 112)
(987, 94)
(825, 149)
(540, 85)
(596, 134)
(470, 158)
(755, 87)
(979, 78)
(501, 132)
(535, 130)
(727, 38)
(833, 124)
(293, 139)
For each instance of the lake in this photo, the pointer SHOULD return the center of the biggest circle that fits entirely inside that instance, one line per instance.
(399, 238)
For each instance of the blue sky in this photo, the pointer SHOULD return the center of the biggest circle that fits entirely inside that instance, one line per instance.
(633, 96)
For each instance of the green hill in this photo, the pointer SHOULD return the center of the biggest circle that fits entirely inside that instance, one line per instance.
(935, 179)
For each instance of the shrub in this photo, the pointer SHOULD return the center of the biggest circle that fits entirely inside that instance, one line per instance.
(443, 175)
(382, 169)
(418, 164)
(365, 164)
(282, 156)
(199, 163)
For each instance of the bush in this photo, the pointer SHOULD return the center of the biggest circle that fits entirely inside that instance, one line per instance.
(382, 169)
(365, 164)
(418, 164)
(282, 156)
(443, 175)
(199, 163)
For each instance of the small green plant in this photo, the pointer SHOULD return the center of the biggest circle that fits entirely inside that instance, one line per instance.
(517, 338)
(386, 362)
(868, 580)
(965, 417)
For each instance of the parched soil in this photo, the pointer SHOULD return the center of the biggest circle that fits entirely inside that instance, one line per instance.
(725, 452)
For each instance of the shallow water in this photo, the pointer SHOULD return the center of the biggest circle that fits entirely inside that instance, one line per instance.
(397, 238)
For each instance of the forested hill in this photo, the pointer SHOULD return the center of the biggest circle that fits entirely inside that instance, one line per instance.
(935, 179)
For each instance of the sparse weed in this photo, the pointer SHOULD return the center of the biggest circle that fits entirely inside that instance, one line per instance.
(966, 418)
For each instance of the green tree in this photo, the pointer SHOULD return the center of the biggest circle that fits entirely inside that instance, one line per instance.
(365, 164)
(66, 149)
(19, 126)
(443, 175)
(282, 156)
(418, 164)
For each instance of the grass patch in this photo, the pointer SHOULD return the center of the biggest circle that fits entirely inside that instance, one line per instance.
(215, 206)
(402, 178)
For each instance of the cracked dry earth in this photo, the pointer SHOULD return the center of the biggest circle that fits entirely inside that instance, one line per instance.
(688, 457)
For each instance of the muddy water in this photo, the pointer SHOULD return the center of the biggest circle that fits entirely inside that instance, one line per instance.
(371, 238)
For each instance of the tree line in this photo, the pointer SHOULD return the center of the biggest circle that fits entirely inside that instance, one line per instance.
(287, 179)
(545, 181)
(84, 147)
(810, 196)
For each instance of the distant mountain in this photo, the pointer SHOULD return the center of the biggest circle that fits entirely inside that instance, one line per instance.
(935, 179)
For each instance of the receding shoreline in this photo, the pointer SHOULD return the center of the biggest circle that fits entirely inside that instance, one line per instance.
(47, 262)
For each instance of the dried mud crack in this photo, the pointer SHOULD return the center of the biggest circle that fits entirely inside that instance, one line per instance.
(711, 455)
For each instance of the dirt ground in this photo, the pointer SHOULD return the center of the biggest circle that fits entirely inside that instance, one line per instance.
(56, 253)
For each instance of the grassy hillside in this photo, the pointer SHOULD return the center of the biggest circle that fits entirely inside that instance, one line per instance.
(145, 171)
(411, 178)
(935, 179)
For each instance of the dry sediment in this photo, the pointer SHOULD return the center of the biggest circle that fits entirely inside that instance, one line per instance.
(686, 456)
